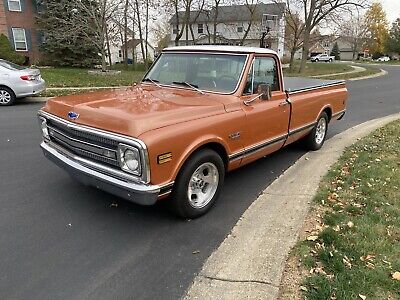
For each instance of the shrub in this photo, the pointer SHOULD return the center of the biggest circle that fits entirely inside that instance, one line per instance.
(8, 53)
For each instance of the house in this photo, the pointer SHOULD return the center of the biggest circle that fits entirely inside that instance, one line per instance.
(232, 23)
(17, 22)
(345, 44)
(117, 53)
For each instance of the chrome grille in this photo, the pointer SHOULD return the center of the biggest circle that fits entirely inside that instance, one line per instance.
(86, 145)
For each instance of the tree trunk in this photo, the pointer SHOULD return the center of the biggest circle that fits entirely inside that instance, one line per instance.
(125, 42)
(292, 54)
(306, 47)
(108, 47)
(146, 60)
(140, 30)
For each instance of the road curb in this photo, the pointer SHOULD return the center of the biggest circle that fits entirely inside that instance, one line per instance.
(381, 73)
(34, 100)
(250, 261)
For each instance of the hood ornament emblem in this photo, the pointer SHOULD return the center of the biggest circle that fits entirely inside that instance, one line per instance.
(73, 115)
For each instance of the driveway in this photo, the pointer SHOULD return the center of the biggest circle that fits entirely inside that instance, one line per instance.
(60, 240)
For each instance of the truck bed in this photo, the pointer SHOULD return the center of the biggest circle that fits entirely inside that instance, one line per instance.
(300, 84)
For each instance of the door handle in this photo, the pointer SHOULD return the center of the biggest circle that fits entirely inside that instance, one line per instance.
(284, 103)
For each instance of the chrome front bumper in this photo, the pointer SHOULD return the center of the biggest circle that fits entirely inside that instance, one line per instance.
(136, 192)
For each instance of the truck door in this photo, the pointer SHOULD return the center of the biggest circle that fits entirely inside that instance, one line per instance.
(267, 121)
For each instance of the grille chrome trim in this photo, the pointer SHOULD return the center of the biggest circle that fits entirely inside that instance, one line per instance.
(104, 136)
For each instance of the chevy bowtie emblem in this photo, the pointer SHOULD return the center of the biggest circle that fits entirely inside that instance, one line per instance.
(73, 115)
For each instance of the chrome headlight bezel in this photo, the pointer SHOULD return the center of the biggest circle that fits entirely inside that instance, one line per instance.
(123, 150)
(44, 128)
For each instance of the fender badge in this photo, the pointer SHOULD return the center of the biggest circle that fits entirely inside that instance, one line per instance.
(73, 115)
(164, 158)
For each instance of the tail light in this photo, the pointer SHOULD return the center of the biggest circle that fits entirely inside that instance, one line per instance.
(28, 77)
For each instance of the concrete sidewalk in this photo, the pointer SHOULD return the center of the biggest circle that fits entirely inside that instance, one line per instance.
(250, 262)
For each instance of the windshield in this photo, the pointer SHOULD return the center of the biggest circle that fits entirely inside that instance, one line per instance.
(209, 72)
(10, 65)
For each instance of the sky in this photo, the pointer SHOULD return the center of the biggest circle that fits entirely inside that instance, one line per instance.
(392, 8)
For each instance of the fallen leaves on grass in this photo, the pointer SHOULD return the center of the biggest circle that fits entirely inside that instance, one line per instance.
(396, 276)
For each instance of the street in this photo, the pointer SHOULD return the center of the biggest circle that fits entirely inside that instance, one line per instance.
(62, 240)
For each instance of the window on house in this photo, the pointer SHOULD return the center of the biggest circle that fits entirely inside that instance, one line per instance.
(20, 39)
(14, 5)
(240, 28)
(200, 28)
(120, 53)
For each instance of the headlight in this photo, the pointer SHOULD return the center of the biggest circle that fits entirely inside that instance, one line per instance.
(43, 127)
(129, 159)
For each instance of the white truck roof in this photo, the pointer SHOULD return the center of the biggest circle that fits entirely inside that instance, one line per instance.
(230, 49)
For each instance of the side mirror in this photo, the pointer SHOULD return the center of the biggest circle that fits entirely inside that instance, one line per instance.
(265, 91)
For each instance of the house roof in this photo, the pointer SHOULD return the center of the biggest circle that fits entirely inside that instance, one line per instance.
(234, 13)
(229, 49)
(133, 44)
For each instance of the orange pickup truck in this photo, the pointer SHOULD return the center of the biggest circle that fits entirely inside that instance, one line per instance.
(199, 112)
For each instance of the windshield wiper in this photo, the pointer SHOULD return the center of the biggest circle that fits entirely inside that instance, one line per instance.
(193, 86)
(153, 81)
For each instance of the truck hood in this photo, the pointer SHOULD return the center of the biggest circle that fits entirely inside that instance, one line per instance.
(135, 110)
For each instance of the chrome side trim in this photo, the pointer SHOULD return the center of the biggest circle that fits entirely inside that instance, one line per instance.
(338, 113)
(315, 87)
(302, 128)
(255, 148)
(145, 178)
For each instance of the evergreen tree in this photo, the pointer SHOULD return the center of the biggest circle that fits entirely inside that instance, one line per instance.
(63, 44)
(335, 51)
(392, 44)
(7, 52)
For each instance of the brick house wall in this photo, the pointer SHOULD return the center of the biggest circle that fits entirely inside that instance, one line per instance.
(24, 19)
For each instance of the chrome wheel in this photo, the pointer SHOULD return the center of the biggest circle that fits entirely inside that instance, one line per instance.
(5, 97)
(203, 185)
(321, 131)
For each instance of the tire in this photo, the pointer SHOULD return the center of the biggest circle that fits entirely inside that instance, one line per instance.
(192, 195)
(316, 138)
(317, 60)
(7, 96)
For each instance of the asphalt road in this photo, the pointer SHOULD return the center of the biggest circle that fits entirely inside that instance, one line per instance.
(61, 240)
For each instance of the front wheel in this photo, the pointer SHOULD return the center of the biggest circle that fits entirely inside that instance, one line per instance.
(316, 138)
(198, 184)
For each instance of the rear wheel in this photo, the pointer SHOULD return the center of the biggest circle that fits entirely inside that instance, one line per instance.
(7, 96)
(198, 184)
(316, 138)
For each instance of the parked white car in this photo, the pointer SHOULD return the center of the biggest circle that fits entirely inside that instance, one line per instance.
(322, 57)
(383, 58)
(18, 82)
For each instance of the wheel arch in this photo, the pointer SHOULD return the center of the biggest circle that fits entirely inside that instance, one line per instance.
(328, 110)
(213, 144)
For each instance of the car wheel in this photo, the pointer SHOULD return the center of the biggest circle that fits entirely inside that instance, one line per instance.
(317, 60)
(7, 96)
(316, 138)
(198, 184)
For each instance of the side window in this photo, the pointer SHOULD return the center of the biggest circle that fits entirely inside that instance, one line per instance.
(264, 70)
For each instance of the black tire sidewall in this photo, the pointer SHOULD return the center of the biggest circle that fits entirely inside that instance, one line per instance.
(11, 92)
(310, 140)
(180, 201)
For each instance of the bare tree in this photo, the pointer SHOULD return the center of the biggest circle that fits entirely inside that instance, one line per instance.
(252, 6)
(355, 32)
(99, 14)
(316, 11)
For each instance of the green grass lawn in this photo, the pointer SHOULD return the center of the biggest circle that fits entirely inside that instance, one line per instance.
(315, 69)
(357, 248)
(369, 71)
(75, 77)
